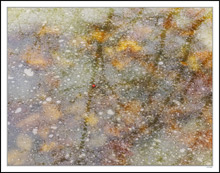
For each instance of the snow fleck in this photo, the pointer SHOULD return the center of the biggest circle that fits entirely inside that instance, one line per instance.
(28, 72)
(100, 113)
(50, 136)
(34, 131)
(58, 101)
(182, 150)
(53, 127)
(18, 110)
(110, 112)
(157, 140)
(177, 102)
(48, 99)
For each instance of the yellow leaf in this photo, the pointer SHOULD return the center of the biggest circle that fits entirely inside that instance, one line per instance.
(120, 64)
(43, 132)
(109, 51)
(192, 62)
(24, 142)
(128, 44)
(91, 119)
(16, 157)
(99, 35)
(48, 30)
(35, 58)
(48, 147)
(51, 112)
(29, 121)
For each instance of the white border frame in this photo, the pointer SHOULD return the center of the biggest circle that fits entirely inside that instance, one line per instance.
(213, 4)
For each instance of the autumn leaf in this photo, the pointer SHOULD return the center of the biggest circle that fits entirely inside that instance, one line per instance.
(131, 112)
(46, 147)
(43, 132)
(193, 63)
(91, 119)
(24, 142)
(111, 130)
(120, 64)
(201, 139)
(128, 44)
(99, 35)
(48, 30)
(34, 57)
(51, 112)
(16, 157)
(205, 57)
(30, 121)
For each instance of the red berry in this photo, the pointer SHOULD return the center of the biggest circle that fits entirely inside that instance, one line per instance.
(93, 85)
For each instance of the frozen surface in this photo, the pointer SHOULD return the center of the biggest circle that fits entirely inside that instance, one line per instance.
(109, 86)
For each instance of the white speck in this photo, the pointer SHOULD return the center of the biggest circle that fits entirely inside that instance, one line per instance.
(82, 155)
(48, 99)
(67, 156)
(58, 58)
(9, 77)
(51, 135)
(68, 79)
(67, 50)
(182, 150)
(58, 101)
(28, 72)
(60, 41)
(190, 149)
(100, 113)
(78, 75)
(34, 131)
(199, 159)
(9, 123)
(118, 119)
(177, 102)
(74, 41)
(18, 110)
(157, 140)
(160, 63)
(20, 65)
(53, 127)
(110, 112)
